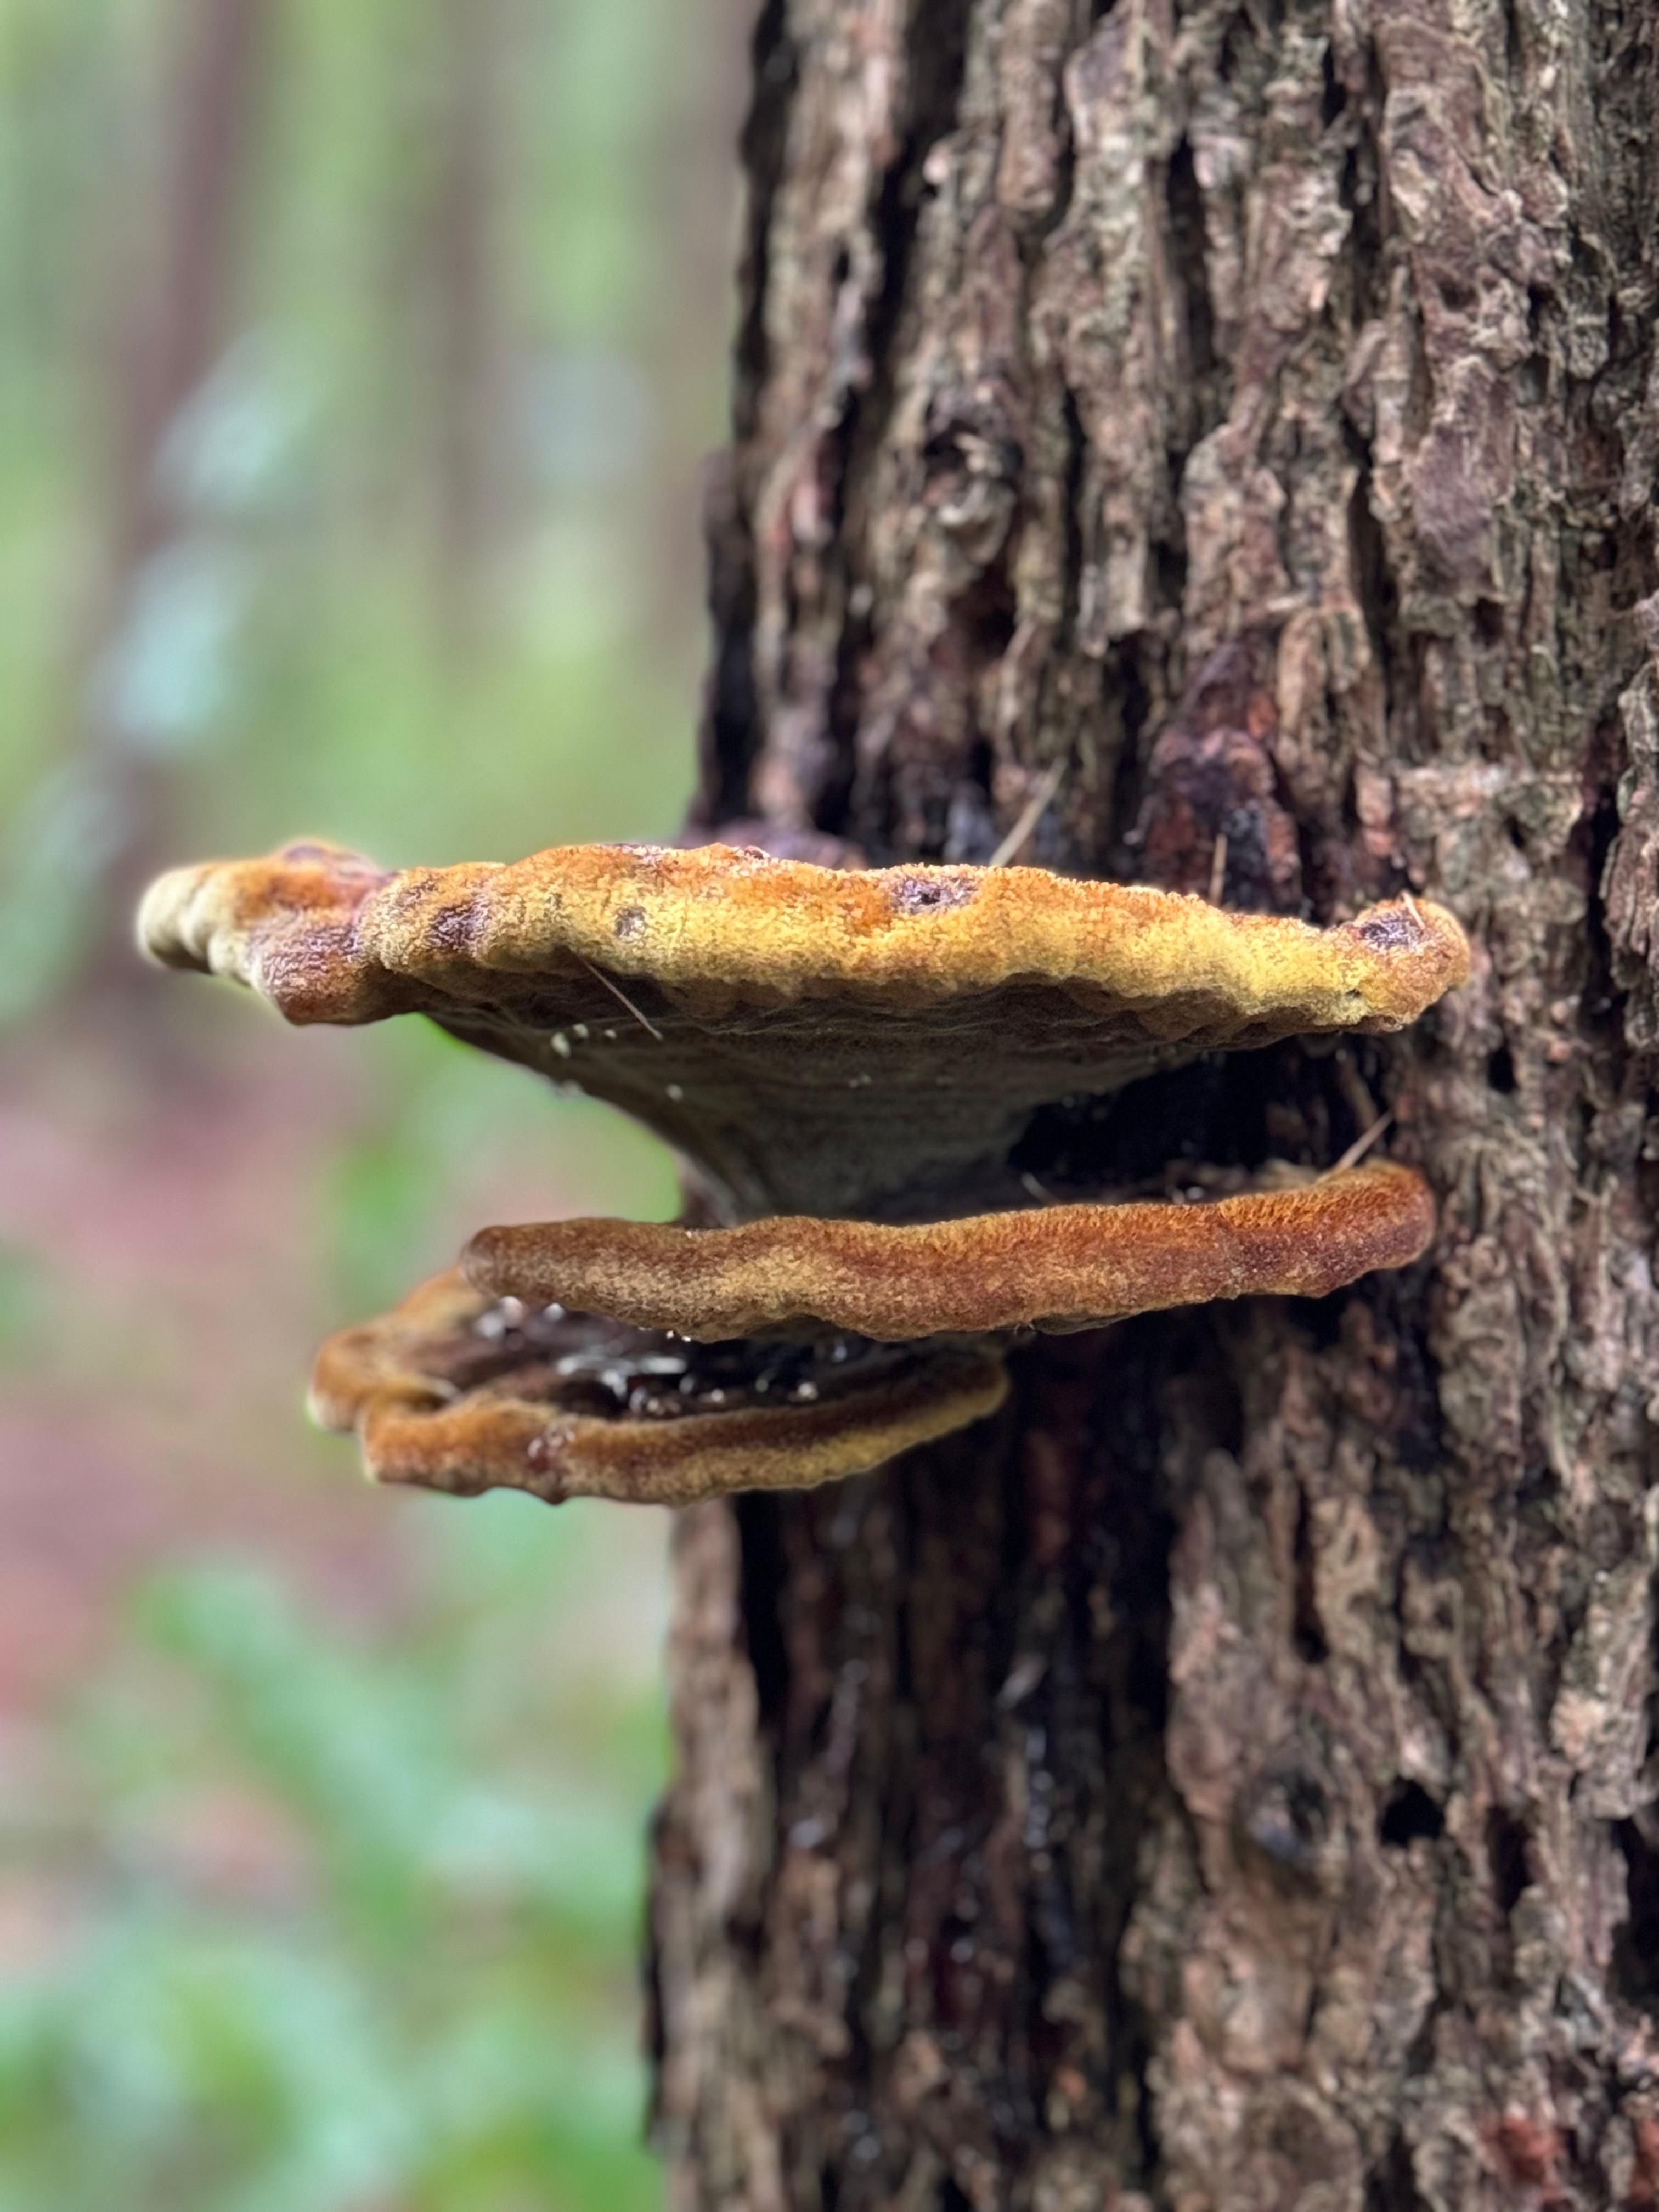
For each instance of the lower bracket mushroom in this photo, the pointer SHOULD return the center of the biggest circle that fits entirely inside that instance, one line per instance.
(459, 1391)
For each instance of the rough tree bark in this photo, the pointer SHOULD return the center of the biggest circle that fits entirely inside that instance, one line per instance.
(1226, 1780)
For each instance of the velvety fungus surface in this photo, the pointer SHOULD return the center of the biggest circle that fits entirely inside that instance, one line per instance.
(454, 1391)
(823, 1041)
(1050, 1267)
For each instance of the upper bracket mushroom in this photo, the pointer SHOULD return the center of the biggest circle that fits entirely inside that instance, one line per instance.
(818, 1042)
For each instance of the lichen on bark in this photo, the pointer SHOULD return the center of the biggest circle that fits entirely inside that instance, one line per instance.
(1226, 1781)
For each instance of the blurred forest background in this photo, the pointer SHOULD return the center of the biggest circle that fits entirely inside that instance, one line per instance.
(356, 359)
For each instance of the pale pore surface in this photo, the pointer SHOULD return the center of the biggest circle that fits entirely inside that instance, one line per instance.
(816, 1041)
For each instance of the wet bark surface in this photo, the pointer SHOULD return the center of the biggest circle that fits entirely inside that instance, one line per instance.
(1224, 1780)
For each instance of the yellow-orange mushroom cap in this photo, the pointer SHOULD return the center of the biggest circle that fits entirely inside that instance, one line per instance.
(817, 1041)
(459, 1392)
(1055, 1267)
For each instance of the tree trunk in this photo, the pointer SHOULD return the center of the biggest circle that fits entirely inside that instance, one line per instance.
(1224, 1780)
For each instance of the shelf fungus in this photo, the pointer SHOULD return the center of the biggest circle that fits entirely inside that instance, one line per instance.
(817, 1041)
(845, 1059)
(1055, 1267)
(459, 1391)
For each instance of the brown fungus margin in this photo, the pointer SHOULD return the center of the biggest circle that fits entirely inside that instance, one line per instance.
(1057, 1267)
(832, 1042)
(456, 1391)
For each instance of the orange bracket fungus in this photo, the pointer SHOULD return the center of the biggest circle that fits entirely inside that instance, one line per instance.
(839, 1054)
(458, 1391)
(1057, 1267)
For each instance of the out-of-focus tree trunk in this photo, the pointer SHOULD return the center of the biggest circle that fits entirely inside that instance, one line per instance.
(174, 311)
(1225, 1781)
(472, 396)
(176, 286)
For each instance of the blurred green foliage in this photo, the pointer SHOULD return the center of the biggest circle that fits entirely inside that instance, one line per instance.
(436, 1104)
(300, 650)
(338, 1911)
(360, 1904)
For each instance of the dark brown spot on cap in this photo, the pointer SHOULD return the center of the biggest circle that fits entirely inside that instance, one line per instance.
(930, 894)
(451, 929)
(1391, 929)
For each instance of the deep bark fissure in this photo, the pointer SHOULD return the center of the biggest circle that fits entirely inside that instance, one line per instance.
(762, 148)
(933, 55)
(730, 734)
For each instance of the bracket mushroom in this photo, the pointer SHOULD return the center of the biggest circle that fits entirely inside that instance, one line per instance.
(456, 1391)
(817, 1041)
(838, 1055)
(1058, 1267)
